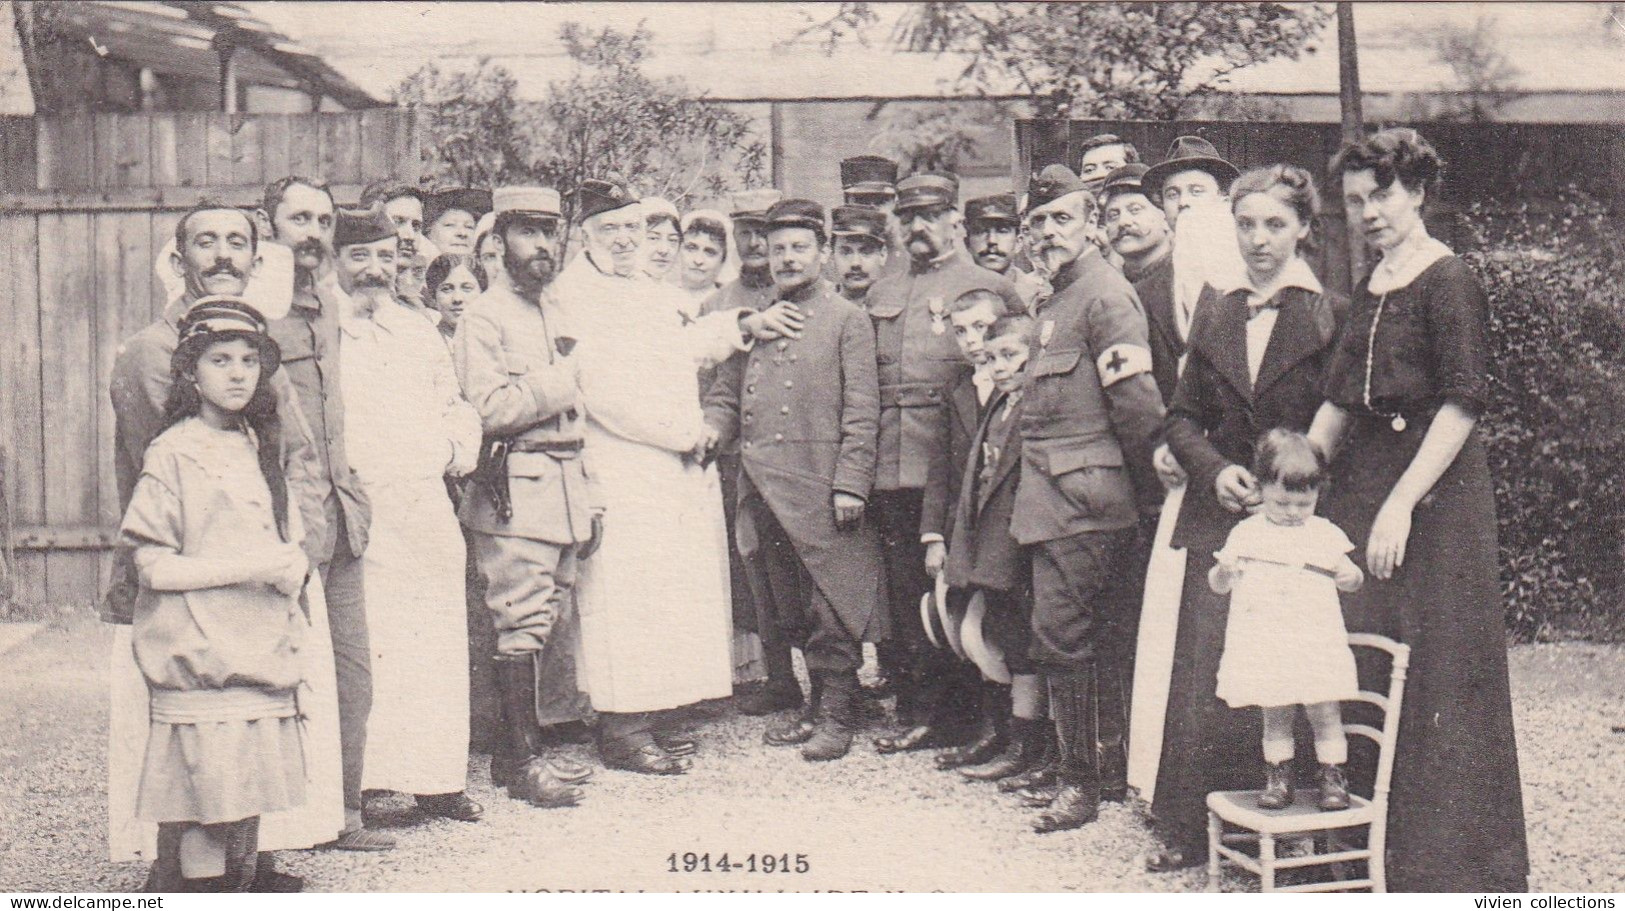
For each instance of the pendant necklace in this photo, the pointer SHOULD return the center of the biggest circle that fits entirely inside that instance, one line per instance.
(1397, 421)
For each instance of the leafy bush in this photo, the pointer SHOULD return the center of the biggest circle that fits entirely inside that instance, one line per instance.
(1556, 423)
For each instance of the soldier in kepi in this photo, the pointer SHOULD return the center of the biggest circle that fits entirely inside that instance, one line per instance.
(531, 511)
(859, 251)
(918, 359)
(870, 180)
(804, 410)
(993, 234)
(1091, 415)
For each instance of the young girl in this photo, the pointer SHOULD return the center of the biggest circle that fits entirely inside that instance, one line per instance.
(452, 283)
(217, 623)
(1285, 644)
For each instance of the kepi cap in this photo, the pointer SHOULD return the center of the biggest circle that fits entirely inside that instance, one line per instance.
(869, 174)
(1190, 153)
(796, 213)
(1129, 178)
(361, 226)
(919, 191)
(541, 202)
(858, 221)
(226, 314)
(1000, 208)
(1050, 184)
(752, 205)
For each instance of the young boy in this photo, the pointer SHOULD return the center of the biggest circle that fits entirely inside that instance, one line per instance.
(962, 690)
(982, 555)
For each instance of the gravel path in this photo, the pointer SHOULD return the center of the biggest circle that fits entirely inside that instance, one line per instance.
(868, 822)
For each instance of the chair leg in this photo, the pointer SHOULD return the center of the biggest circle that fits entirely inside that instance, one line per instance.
(1376, 864)
(1266, 862)
(1215, 832)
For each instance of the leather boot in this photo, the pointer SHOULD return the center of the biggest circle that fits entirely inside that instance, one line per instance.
(1334, 788)
(774, 696)
(991, 735)
(837, 716)
(1111, 731)
(1025, 742)
(1042, 771)
(1077, 803)
(1277, 793)
(798, 728)
(520, 765)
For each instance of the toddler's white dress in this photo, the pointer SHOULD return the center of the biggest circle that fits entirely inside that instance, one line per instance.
(1285, 643)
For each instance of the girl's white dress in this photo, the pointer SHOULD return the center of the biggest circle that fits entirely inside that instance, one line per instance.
(1285, 643)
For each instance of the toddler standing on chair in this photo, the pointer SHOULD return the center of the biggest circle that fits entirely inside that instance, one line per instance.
(1285, 644)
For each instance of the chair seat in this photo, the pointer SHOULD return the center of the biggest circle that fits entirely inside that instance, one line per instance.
(1241, 808)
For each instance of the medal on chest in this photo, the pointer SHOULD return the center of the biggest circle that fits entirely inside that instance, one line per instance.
(939, 314)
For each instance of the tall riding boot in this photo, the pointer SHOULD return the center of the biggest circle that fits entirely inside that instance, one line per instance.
(990, 735)
(837, 716)
(1078, 802)
(1025, 744)
(1111, 727)
(519, 765)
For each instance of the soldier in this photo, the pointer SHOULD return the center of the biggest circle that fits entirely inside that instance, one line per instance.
(1138, 230)
(1090, 419)
(870, 180)
(805, 411)
(992, 233)
(860, 250)
(918, 359)
(531, 511)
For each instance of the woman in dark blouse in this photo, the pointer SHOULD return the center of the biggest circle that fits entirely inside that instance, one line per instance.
(1411, 486)
(1256, 359)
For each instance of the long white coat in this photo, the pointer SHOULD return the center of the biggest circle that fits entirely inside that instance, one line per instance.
(654, 601)
(406, 427)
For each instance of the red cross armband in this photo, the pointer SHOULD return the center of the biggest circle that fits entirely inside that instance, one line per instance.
(1119, 362)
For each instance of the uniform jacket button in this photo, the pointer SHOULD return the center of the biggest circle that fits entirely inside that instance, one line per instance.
(778, 437)
(784, 409)
(747, 444)
(751, 388)
(789, 384)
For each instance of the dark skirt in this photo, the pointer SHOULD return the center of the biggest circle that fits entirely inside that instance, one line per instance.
(1456, 807)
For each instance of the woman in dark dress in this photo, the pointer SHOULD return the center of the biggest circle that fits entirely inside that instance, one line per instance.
(1411, 487)
(1256, 360)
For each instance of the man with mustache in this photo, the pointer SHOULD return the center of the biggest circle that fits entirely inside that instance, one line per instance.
(403, 203)
(918, 359)
(860, 255)
(1139, 232)
(298, 213)
(992, 233)
(216, 251)
(871, 180)
(804, 409)
(531, 511)
(1091, 416)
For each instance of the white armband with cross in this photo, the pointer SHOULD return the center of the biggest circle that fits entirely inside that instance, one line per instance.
(1121, 361)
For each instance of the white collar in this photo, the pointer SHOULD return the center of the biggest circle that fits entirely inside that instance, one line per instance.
(1399, 267)
(1295, 274)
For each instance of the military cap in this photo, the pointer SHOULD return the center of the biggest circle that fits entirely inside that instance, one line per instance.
(1052, 183)
(919, 191)
(230, 316)
(474, 202)
(858, 221)
(1000, 208)
(1129, 178)
(361, 226)
(1189, 153)
(595, 197)
(796, 213)
(540, 202)
(752, 205)
(869, 174)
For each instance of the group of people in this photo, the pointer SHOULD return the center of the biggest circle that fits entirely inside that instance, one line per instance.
(1103, 473)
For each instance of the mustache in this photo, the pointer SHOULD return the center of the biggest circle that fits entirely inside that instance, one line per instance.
(223, 267)
(371, 280)
(310, 246)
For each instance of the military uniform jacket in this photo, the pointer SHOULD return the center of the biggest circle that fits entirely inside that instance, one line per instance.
(514, 361)
(732, 296)
(1155, 287)
(962, 412)
(804, 412)
(982, 554)
(1091, 413)
(918, 359)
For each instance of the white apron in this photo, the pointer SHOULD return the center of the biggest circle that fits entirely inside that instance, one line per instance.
(1154, 654)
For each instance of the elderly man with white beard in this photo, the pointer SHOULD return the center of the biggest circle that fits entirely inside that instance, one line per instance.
(654, 601)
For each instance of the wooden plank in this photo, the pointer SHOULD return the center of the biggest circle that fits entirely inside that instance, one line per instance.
(410, 164)
(71, 453)
(124, 268)
(275, 131)
(106, 171)
(21, 418)
(380, 152)
(18, 153)
(219, 151)
(123, 151)
(192, 150)
(161, 145)
(66, 151)
(341, 148)
(71, 537)
(142, 199)
(162, 231)
(304, 146)
(245, 152)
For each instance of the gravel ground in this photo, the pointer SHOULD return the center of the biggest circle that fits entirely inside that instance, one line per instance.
(869, 822)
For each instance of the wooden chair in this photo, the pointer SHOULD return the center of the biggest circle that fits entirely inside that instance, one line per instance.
(1235, 820)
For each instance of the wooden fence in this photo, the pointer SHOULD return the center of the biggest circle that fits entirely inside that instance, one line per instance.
(1500, 165)
(86, 203)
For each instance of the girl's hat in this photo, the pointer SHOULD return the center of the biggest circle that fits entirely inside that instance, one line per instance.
(222, 317)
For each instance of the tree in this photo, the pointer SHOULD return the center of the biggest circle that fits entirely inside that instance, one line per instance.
(609, 119)
(936, 135)
(1484, 80)
(1096, 60)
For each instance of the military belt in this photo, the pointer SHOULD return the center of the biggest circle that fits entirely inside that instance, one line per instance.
(560, 449)
(910, 395)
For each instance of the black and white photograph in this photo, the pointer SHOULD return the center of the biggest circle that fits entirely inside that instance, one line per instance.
(1048, 447)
